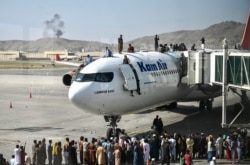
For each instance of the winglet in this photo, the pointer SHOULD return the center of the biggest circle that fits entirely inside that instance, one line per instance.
(58, 57)
(245, 42)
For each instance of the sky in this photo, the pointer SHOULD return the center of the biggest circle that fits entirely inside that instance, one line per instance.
(105, 20)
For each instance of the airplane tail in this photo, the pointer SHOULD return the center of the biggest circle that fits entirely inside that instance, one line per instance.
(58, 58)
(245, 42)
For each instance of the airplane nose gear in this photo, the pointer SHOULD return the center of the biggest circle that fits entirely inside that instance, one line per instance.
(113, 131)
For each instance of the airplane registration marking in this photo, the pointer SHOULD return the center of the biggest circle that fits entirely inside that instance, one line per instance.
(104, 91)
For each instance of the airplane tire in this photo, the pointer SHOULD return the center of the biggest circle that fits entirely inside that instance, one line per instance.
(202, 105)
(109, 133)
(118, 131)
(206, 105)
(173, 105)
(209, 105)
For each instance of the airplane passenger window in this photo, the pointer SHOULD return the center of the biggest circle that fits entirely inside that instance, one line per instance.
(98, 77)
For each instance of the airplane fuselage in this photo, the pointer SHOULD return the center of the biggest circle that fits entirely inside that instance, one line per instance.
(105, 86)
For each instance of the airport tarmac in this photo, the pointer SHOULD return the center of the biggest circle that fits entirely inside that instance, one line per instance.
(34, 105)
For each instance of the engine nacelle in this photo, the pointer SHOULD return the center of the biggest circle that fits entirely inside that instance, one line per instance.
(67, 78)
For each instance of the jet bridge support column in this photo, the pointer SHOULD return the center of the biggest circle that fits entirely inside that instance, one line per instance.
(224, 84)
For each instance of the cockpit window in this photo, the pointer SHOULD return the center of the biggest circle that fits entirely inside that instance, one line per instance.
(98, 77)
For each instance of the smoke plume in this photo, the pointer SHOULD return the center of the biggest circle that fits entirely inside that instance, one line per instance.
(54, 27)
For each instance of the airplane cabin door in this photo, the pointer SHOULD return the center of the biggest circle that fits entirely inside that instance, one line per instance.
(129, 76)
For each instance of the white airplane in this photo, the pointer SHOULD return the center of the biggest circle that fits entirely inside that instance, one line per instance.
(110, 88)
(151, 79)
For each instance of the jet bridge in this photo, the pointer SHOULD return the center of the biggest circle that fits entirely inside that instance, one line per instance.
(210, 66)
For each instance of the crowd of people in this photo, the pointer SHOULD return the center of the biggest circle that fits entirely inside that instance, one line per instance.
(158, 146)
(158, 47)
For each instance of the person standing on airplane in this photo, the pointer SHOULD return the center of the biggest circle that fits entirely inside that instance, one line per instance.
(125, 60)
(120, 44)
(108, 53)
(89, 60)
(156, 42)
(193, 47)
(130, 49)
(202, 43)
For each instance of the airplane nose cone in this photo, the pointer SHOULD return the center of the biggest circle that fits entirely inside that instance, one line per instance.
(77, 94)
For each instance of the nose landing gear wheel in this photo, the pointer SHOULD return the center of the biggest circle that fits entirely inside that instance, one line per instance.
(113, 131)
(111, 134)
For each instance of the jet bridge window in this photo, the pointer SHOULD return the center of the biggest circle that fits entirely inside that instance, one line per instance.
(97, 77)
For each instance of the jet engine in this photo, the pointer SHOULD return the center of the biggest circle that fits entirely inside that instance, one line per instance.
(67, 78)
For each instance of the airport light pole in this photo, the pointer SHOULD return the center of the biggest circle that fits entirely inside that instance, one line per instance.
(224, 83)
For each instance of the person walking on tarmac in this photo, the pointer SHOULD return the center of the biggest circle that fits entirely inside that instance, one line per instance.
(155, 125)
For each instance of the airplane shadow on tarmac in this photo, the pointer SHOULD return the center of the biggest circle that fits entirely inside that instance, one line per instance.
(207, 122)
(181, 109)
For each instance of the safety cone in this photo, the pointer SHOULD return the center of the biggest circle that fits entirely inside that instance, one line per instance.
(30, 95)
(11, 105)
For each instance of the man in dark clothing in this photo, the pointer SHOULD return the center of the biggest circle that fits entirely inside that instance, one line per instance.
(120, 44)
(50, 152)
(202, 146)
(155, 121)
(202, 43)
(160, 126)
(154, 148)
(156, 42)
(2, 160)
(155, 125)
(72, 153)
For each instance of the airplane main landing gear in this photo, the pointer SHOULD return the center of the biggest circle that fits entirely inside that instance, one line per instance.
(113, 131)
(206, 105)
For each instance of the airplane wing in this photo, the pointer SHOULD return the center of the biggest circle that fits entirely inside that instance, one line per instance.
(59, 61)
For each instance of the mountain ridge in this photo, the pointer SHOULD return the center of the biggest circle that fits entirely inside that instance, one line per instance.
(214, 35)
